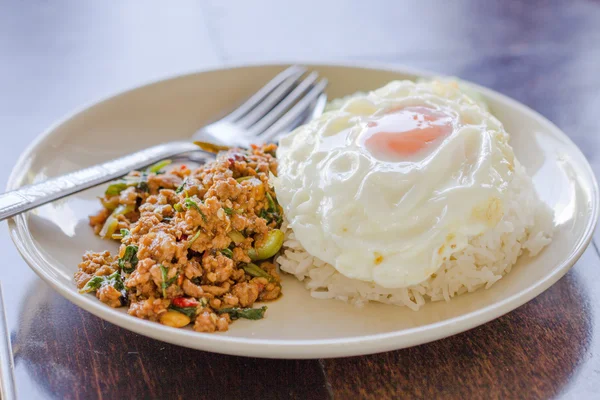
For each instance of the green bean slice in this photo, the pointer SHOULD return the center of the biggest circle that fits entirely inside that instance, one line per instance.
(236, 236)
(271, 246)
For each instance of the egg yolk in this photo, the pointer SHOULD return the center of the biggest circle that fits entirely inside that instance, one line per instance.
(404, 132)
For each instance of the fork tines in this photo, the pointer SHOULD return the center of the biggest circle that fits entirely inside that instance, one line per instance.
(287, 101)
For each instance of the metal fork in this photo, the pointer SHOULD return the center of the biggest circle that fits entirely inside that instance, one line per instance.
(284, 103)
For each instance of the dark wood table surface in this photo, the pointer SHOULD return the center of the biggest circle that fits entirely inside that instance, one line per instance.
(57, 55)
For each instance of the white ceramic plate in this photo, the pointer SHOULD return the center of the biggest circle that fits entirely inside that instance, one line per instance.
(53, 238)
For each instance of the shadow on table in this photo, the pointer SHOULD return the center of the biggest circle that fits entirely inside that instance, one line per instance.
(67, 352)
(531, 352)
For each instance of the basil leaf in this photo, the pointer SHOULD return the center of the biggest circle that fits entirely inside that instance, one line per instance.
(115, 280)
(193, 239)
(166, 281)
(256, 271)
(247, 313)
(181, 187)
(272, 204)
(143, 186)
(164, 286)
(143, 183)
(227, 253)
(97, 282)
(129, 260)
(189, 311)
(92, 285)
(172, 280)
(264, 214)
(189, 203)
(197, 280)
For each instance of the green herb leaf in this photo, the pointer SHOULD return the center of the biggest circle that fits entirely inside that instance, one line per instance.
(272, 204)
(97, 282)
(156, 168)
(129, 260)
(271, 216)
(231, 211)
(248, 313)
(166, 282)
(189, 203)
(182, 186)
(178, 207)
(264, 214)
(125, 233)
(244, 178)
(189, 311)
(142, 185)
(197, 280)
(193, 239)
(257, 272)
(272, 213)
(164, 286)
(172, 280)
(116, 281)
(227, 253)
(92, 285)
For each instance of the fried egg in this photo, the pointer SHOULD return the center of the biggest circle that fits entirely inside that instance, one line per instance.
(390, 184)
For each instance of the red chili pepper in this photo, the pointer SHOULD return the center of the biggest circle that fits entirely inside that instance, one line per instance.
(235, 157)
(183, 166)
(184, 302)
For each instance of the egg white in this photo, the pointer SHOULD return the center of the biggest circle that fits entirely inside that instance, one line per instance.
(393, 222)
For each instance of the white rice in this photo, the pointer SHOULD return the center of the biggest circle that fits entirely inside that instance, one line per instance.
(526, 225)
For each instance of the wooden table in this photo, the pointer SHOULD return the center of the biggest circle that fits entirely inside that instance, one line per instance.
(56, 55)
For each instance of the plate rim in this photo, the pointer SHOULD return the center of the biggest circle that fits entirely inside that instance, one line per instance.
(305, 348)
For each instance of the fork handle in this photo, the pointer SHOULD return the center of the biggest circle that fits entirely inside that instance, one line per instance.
(31, 196)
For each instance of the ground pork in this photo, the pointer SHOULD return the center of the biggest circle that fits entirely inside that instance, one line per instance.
(186, 240)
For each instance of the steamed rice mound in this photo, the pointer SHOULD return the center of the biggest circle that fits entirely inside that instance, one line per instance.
(526, 226)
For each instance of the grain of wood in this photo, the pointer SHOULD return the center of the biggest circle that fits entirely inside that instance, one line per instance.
(57, 55)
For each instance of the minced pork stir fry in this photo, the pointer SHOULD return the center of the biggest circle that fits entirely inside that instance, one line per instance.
(196, 246)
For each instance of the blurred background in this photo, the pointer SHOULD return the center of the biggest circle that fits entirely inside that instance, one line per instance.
(58, 55)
